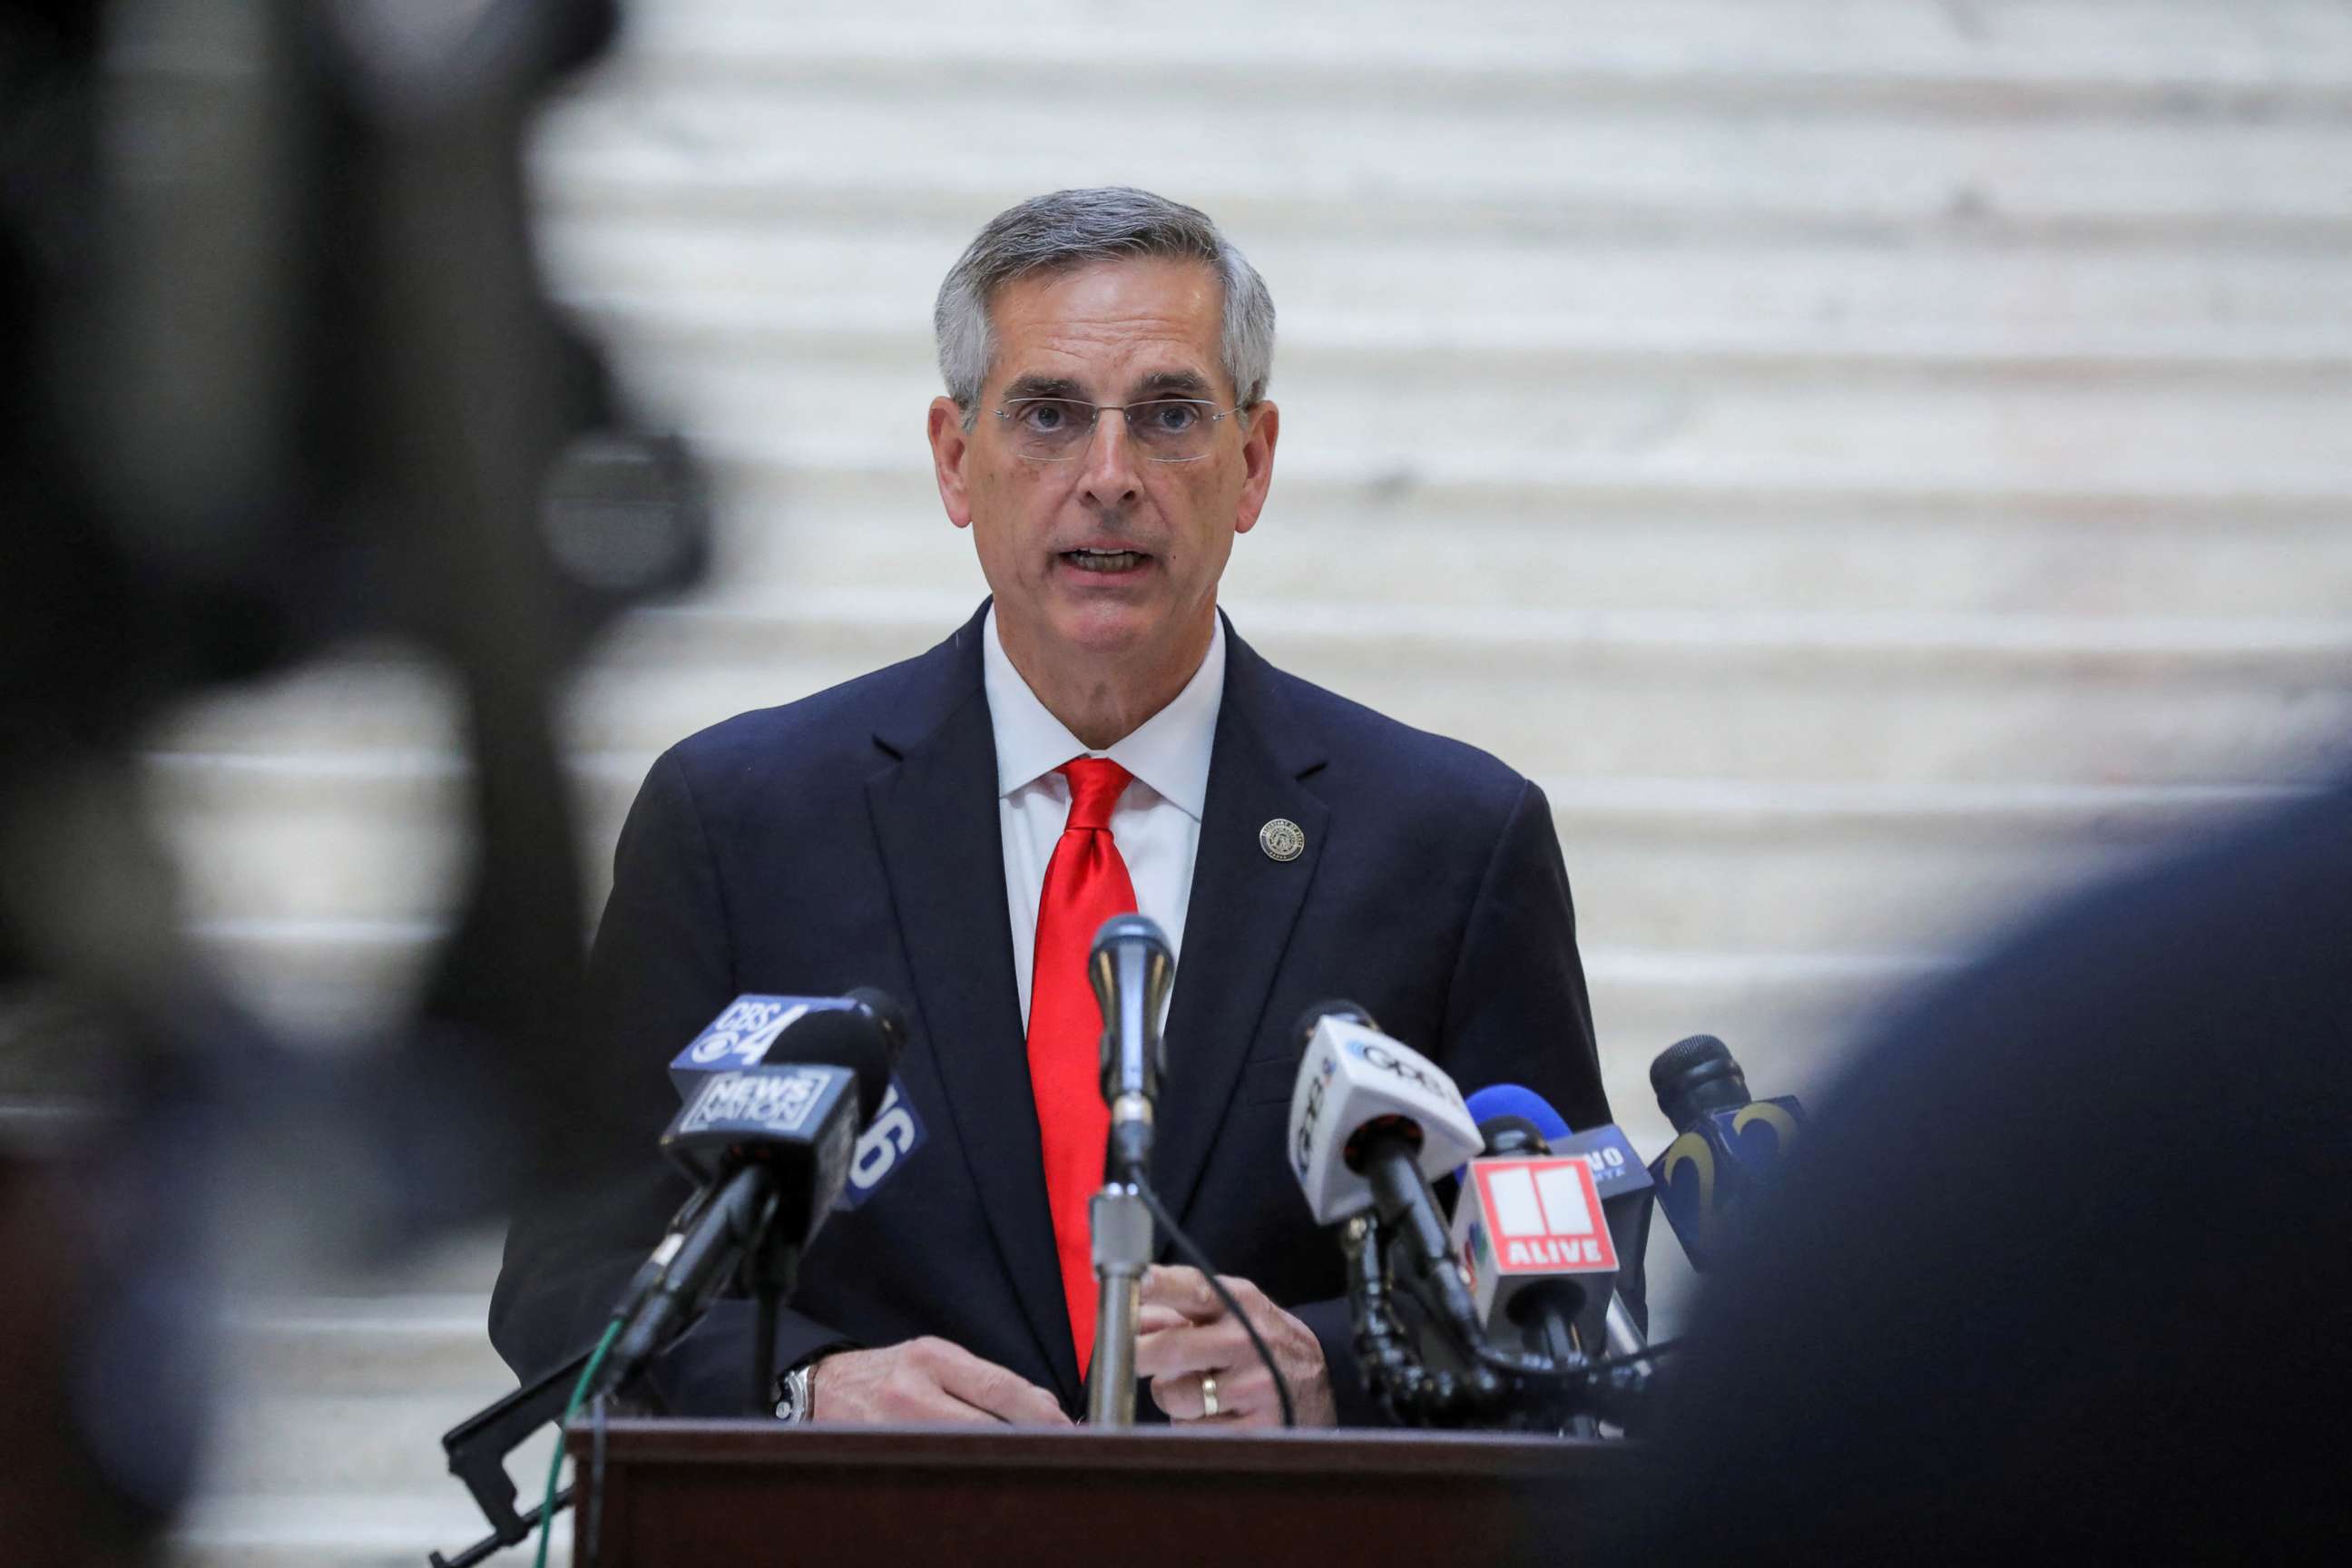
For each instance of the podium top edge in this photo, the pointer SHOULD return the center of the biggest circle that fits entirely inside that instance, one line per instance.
(1490, 1455)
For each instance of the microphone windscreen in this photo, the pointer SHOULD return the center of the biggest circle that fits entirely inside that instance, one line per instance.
(1345, 1011)
(887, 1013)
(1509, 1135)
(1128, 928)
(1695, 1075)
(853, 1038)
(1512, 1099)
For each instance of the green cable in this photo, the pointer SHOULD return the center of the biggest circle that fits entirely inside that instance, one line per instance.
(555, 1465)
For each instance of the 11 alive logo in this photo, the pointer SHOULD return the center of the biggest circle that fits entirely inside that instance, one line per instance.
(1542, 1217)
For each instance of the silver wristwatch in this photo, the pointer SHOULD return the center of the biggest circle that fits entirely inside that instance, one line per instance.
(796, 1395)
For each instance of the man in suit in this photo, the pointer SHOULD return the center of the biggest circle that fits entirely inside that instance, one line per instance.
(1098, 738)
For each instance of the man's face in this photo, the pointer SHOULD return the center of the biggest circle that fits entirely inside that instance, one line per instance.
(1109, 555)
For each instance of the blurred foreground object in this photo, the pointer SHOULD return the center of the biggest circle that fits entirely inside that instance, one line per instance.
(276, 370)
(2062, 1267)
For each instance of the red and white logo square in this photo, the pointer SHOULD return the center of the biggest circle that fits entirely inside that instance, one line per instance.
(1544, 1217)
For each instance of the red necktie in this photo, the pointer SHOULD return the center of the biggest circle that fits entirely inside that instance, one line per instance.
(1085, 884)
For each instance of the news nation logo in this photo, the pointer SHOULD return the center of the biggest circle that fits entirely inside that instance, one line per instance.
(771, 1099)
(1545, 1216)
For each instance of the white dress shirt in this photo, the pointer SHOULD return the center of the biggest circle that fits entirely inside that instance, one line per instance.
(1157, 822)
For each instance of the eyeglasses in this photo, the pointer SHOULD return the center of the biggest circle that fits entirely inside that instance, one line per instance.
(1167, 429)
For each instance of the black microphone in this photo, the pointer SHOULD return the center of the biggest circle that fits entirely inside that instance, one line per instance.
(1132, 969)
(871, 1051)
(740, 1036)
(1694, 1076)
(1728, 1148)
(770, 1146)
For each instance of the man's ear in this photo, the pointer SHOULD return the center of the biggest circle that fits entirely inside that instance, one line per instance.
(948, 446)
(1257, 464)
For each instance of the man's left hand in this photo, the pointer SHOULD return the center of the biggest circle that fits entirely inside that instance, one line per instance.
(1186, 1337)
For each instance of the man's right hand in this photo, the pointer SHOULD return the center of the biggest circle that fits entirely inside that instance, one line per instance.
(925, 1380)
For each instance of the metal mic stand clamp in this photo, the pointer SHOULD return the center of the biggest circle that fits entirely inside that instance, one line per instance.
(1122, 1251)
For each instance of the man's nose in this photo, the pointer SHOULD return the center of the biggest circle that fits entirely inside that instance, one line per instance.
(1109, 476)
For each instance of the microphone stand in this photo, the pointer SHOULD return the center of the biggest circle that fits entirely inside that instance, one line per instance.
(1131, 970)
(1546, 1313)
(770, 1270)
(1122, 1250)
(1626, 1340)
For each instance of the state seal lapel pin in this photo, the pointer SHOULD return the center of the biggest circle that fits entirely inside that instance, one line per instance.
(1282, 839)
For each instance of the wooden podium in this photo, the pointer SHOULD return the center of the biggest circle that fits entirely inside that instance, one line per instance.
(701, 1493)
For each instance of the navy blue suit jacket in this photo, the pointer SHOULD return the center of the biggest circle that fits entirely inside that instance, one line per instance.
(852, 840)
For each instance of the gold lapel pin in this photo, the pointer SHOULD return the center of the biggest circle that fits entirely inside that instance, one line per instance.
(1282, 839)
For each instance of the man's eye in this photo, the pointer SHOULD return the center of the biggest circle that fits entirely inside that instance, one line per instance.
(1170, 418)
(1045, 417)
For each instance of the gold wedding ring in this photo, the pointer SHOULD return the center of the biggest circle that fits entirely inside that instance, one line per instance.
(1208, 1394)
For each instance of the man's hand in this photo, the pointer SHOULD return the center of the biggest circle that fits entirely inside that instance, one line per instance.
(925, 1380)
(1185, 1331)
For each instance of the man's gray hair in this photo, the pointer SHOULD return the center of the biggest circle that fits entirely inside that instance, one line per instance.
(1071, 228)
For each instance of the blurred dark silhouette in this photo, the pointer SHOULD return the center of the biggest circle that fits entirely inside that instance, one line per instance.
(276, 370)
(2062, 1267)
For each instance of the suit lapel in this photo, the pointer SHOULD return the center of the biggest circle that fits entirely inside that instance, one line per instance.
(1237, 927)
(935, 819)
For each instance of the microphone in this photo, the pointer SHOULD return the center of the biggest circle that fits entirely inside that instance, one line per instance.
(1371, 1120)
(1617, 1170)
(1362, 1100)
(1531, 1236)
(1728, 1145)
(770, 1146)
(865, 1035)
(1618, 1173)
(745, 1034)
(1132, 969)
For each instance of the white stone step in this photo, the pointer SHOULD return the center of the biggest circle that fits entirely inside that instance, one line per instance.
(284, 1441)
(1980, 55)
(434, 1348)
(839, 291)
(362, 1529)
(1824, 298)
(328, 1447)
(707, 141)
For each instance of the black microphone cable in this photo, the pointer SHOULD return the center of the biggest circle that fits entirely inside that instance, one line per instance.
(1416, 1393)
(1632, 1358)
(1200, 1260)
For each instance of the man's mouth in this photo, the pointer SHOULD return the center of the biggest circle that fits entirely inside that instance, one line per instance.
(1106, 560)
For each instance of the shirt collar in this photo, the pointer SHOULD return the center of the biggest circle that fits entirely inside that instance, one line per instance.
(1169, 750)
